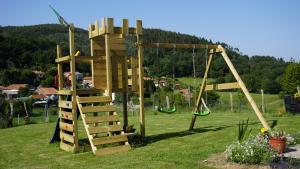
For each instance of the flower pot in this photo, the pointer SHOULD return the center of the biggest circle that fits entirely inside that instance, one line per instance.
(278, 144)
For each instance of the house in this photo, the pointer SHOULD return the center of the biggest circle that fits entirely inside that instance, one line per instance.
(78, 75)
(12, 91)
(186, 93)
(46, 92)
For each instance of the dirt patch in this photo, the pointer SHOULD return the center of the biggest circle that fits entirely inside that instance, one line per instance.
(219, 161)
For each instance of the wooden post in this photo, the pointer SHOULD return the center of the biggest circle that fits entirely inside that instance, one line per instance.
(141, 75)
(125, 90)
(244, 89)
(73, 85)
(298, 89)
(202, 89)
(231, 102)
(262, 101)
(168, 102)
(108, 57)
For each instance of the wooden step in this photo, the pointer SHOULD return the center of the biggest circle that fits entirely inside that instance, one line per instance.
(101, 119)
(65, 104)
(66, 115)
(66, 126)
(111, 150)
(67, 147)
(104, 129)
(109, 139)
(67, 137)
(94, 99)
(93, 109)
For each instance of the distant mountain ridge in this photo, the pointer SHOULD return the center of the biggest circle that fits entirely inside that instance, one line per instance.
(34, 47)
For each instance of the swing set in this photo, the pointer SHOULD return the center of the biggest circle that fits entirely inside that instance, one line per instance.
(214, 51)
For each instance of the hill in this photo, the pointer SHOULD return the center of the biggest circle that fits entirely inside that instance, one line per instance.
(34, 47)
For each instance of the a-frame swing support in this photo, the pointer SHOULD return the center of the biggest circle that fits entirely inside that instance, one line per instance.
(214, 49)
(241, 84)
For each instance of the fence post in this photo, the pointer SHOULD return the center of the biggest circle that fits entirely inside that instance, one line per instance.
(262, 101)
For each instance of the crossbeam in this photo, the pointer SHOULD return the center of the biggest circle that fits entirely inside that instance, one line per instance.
(180, 46)
(222, 86)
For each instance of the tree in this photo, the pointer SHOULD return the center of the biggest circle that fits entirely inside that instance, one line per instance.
(291, 78)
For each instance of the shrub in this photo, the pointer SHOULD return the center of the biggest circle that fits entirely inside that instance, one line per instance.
(5, 119)
(253, 151)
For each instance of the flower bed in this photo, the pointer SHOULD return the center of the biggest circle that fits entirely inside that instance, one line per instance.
(252, 151)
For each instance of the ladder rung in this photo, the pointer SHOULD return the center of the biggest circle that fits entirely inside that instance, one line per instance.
(100, 119)
(109, 139)
(92, 109)
(104, 129)
(94, 99)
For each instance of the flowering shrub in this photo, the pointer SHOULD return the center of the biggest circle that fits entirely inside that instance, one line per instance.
(252, 151)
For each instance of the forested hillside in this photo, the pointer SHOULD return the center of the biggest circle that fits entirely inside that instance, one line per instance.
(27, 48)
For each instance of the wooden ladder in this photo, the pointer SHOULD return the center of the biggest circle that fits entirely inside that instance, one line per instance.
(102, 125)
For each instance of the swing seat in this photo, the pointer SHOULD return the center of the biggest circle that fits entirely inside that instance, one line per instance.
(169, 111)
(201, 113)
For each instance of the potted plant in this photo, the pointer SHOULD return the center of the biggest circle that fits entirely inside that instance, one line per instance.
(277, 140)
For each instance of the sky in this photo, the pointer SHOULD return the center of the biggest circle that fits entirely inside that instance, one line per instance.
(256, 27)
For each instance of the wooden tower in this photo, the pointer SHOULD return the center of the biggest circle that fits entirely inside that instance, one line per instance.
(112, 71)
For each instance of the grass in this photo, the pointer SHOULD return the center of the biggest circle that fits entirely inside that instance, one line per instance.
(169, 144)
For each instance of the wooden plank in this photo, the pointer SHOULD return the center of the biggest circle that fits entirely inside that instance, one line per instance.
(67, 137)
(64, 92)
(109, 139)
(139, 27)
(222, 86)
(92, 109)
(100, 119)
(89, 91)
(111, 150)
(109, 25)
(66, 115)
(141, 84)
(244, 89)
(179, 46)
(65, 104)
(94, 99)
(63, 59)
(88, 58)
(66, 147)
(105, 129)
(66, 126)
(73, 83)
(108, 66)
(125, 29)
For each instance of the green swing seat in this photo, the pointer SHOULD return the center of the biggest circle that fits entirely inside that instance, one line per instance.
(201, 113)
(169, 111)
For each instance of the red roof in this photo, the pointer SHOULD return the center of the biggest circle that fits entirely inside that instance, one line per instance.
(46, 91)
(184, 91)
(15, 86)
(38, 96)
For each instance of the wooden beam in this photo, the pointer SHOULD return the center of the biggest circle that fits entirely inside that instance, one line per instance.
(110, 139)
(105, 129)
(101, 119)
(93, 99)
(91, 109)
(73, 84)
(244, 88)
(141, 84)
(202, 89)
(222, 86)
(179, 46)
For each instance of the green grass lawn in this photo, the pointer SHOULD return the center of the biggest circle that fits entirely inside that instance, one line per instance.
(169, 144)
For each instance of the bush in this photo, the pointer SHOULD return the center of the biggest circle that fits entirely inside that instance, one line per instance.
(5, 119)
(253, 151)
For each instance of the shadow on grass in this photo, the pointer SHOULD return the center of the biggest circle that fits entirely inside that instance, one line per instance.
(138, 141)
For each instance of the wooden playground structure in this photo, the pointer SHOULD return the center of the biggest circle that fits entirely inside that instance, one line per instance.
(114, 71)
